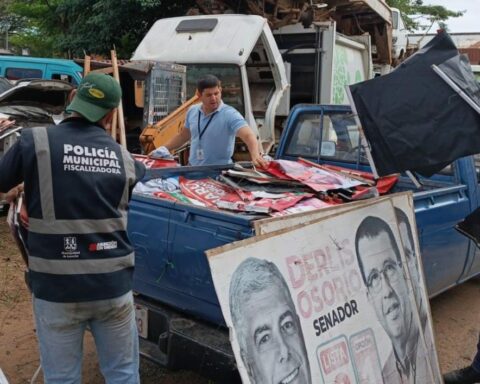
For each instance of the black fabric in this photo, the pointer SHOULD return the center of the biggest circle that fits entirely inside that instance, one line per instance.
(413, 119)
(470, 226)
(80, 288)
(459, 71)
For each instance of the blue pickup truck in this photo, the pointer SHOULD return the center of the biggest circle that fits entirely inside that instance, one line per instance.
(179, 317)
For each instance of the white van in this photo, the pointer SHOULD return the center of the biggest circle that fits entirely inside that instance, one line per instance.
(399, 35)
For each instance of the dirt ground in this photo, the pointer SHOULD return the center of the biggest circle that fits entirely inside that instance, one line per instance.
(456, 317)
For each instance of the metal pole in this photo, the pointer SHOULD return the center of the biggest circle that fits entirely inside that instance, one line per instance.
(318, 65)
(363, 139)
(456, 88)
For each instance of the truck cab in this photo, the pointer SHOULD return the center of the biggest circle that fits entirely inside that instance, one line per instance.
(238, 49)
(399, 35)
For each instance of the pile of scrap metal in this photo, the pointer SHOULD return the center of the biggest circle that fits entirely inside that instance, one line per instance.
(278, 12)
(353, 17)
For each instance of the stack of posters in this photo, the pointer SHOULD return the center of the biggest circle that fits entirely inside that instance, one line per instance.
(333, 296)
(283, 188)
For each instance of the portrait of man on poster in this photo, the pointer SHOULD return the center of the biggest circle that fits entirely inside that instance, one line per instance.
(383, 274)
(267, 327)
(406, 235)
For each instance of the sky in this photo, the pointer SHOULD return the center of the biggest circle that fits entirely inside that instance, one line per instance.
(469, 22)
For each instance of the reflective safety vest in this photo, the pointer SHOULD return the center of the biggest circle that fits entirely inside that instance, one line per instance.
(77, 186)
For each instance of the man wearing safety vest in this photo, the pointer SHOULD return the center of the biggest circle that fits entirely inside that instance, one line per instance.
(77, 184)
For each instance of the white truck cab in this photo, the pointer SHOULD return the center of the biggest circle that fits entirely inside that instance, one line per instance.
(399, 35)
(244, 54)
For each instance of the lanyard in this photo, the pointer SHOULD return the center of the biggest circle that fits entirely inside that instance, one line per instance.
(201, 132)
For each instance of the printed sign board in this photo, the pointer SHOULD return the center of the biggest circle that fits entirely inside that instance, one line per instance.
(324, 302)
(405, 215)
(274, 224)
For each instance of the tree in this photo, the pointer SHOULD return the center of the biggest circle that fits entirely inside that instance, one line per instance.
(71, 27)
(9, 24)
(68, 28)
(412, 8)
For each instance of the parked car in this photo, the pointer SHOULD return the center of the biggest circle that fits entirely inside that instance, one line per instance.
(31, 103)
(399, 35)
(26, 67)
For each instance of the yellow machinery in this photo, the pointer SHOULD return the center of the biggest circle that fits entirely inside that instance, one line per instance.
(156, 135)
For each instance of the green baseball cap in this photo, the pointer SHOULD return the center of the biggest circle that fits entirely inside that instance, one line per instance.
(96, 95)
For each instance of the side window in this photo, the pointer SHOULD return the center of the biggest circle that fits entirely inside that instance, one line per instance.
(305, 141)
(394, 19)
(23, 73)
(62, 76)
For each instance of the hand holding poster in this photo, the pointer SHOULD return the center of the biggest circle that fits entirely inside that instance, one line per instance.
(318, 303)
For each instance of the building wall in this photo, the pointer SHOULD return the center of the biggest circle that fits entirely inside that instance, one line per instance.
(461, 40)
(468, 43)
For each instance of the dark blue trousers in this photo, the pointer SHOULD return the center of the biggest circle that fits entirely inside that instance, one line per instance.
(476, 360)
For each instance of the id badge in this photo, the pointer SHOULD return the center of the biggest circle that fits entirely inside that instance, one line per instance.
(200, 154)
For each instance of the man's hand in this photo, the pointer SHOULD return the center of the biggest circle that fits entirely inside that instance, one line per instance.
(248, 137)
(12, 195)
(259, 161)
(5, 123)
(161, 153)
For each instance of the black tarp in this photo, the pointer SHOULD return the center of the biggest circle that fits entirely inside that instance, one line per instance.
(413, 119)
(459, 71)
(470, 226)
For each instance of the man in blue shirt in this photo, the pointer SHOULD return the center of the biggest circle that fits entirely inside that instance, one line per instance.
(211, 128)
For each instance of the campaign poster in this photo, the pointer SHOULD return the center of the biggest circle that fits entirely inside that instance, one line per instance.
(325, 302)
(269, 225)
(405, 215)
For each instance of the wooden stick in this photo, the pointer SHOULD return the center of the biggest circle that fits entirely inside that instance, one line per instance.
(113, 131)
(121, 121)
(86, 65)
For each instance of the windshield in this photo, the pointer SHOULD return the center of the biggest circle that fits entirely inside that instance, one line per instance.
(228, 74)
(333, 137)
